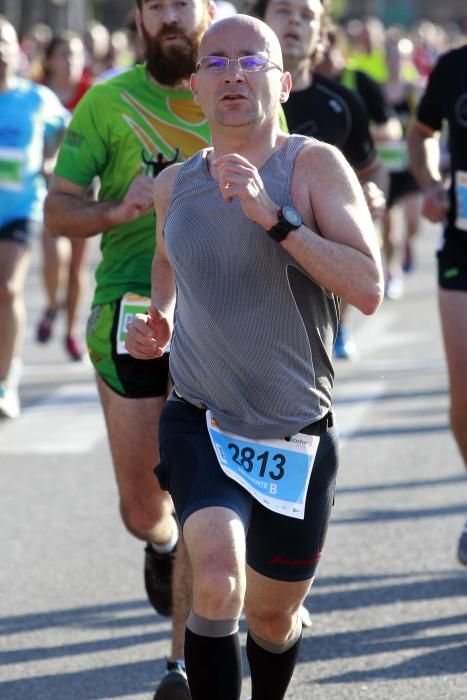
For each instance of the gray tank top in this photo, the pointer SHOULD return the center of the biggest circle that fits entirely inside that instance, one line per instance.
(253, 333)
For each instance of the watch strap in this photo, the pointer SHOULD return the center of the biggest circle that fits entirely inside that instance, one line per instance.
(281, 230)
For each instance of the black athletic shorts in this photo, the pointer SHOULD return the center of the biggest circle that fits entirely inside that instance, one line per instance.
(127, 376)
(452, 270)
(400, 185)
(278, 546)
(21, 231)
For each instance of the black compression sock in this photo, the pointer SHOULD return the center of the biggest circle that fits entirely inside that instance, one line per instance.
(213, 666)
(270, 672)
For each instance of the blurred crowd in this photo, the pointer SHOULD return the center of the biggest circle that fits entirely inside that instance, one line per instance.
(366, 43)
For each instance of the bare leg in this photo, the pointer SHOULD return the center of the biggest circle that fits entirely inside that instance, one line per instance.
(14, 261)
(182, 599)
(392, 243)
(132, 426)
(76, 282)
(215, 539)
(411, 208)
(388, 246)
(453, 309)
(344, 347)
(271, 607)
(55, 256)
(132, 430)
(52, 267)
(345, 312)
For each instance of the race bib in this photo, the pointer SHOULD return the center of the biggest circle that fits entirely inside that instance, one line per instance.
(461, 200)
(11, 169)
(275, 472)
(130, 305)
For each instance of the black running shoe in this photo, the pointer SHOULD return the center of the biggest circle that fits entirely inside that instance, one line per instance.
(45, 327)
(462, 547)
(174, 685)
(158, 579)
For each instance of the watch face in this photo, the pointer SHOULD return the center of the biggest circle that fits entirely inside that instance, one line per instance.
(292, 216)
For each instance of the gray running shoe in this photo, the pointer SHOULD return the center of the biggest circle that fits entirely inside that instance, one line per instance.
(174, 684)
(462, 546)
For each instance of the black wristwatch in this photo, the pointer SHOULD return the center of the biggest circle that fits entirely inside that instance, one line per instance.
(289, 220)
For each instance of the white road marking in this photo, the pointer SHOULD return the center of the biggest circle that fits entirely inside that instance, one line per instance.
(352, 401)
(38, 371)
(67, 421)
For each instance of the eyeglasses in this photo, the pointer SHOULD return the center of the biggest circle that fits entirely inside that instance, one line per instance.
(249, 64)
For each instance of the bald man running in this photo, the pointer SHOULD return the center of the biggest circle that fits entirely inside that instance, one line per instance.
(259, 254)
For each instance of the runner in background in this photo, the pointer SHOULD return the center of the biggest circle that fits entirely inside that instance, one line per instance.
(402, 217)
(367, 39)
(98, 48)
(384, 124)
(32, 44)
(445, 102)
(32, 123)
(63, 260)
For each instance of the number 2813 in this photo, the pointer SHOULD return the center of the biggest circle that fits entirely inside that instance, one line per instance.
(247, 459)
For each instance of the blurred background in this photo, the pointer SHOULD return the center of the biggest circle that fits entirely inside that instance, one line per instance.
(74, 14)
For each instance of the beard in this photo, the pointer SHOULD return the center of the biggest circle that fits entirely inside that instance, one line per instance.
(172, 64)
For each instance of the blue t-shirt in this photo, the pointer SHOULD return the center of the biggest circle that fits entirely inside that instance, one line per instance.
(29, 115)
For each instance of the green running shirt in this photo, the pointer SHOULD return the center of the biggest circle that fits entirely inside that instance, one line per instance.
(123, 128)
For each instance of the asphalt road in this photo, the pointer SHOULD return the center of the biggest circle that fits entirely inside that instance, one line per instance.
(389, 603)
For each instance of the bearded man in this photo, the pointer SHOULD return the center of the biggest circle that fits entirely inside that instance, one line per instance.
(125, 131)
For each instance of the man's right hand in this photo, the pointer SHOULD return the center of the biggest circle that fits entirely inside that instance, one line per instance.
(139, 200)
(435, 203)
(148, 334)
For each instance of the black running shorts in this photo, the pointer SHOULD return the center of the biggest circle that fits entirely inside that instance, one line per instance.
(278, 546)
(400, 185)
(127, 376)
(452, 270)
(21, 231)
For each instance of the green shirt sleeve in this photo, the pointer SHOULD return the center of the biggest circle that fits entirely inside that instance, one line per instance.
(283, 121)
(83, 154)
